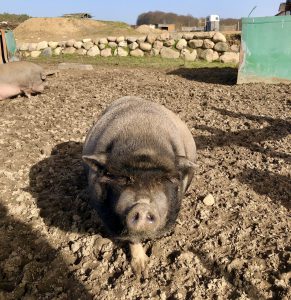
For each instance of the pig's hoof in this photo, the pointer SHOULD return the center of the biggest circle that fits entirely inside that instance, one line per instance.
(139, 265)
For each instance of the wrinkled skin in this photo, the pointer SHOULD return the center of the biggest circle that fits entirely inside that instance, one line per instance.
(140, 159)
(21, 77)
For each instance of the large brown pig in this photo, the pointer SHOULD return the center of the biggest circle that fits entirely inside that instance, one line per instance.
(140, 158)
(21, 77)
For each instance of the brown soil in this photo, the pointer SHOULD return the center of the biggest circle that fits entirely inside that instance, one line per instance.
(52, 246)
(147, 29)
(60, 29)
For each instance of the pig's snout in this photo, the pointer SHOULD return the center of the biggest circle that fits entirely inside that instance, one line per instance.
(142, 218)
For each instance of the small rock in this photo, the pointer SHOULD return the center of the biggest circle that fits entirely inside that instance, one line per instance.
(103, 41)
(169, 53)
(106, 52)
(206, 55)
(112, 44)
(155, 52)
(88, 45)
(158, 45)
(58, 51)
(111, 38)
(137, 53)
(221, 47)
(47, 52)
(120, 39)
(94, 51)
(196, 44)
(78, 45)
(102, 46)
(169, 43)
(42, 45)
(209, 200)
(182, 43)
(24, 47)
(145, 46)
(164, 36)
(81, 51)
(122, 44)
(188, 36)
(163, 296)
(208, 44)
(121, 52)
(133, 46)
(230, 57)
(219, 37)
(190, 56)
(141, 39)
(69, 50)
(76, 246)
(70, 43)
(35, 54)
(131, 39)
(53, 45)
(151, 38)
(32, 47)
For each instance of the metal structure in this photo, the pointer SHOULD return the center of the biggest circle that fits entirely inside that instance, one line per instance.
(167, 27)
(265, 50)
(284, 9)
(7, 46)
(212, 23)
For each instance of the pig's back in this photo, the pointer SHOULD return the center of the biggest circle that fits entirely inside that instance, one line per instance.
(145, 124)
(20, 73)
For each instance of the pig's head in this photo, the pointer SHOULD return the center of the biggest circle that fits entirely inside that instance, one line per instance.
(40, 84)
(141, 195)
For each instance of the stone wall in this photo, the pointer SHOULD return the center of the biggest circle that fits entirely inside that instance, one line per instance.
(209, 46)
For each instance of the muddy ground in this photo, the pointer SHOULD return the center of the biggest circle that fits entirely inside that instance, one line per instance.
(52, 245)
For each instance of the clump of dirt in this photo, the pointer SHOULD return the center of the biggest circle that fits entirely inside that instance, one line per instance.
(236, 246)
(147, 29)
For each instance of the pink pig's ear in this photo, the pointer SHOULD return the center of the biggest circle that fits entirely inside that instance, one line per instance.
(95, 161)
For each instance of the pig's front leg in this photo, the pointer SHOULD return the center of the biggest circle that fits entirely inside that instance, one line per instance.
(138, 258)
(27, 93)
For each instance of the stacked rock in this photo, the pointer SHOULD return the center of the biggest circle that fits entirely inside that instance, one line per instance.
(209, 46)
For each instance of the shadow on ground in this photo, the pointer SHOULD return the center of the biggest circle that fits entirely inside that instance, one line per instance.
(29, 266)
(263, 182)
(58, 184)
(225, 76)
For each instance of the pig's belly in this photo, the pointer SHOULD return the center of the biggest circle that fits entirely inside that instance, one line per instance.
(8, 90)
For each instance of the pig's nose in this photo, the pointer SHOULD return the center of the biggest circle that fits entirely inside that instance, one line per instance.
(142, 217)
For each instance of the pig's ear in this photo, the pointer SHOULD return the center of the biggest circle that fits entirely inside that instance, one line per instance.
(95, 161)
(185, 164)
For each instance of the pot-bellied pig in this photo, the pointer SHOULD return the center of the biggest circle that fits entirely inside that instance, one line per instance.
(140, 159)
(21, 77)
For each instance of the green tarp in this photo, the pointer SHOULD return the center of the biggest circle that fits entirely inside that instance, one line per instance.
(11, 44)
(7, 46)
(265, 50)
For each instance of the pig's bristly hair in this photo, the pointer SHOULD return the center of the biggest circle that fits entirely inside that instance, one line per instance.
(144, 167)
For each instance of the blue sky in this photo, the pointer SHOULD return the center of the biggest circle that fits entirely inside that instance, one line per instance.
(128, 10)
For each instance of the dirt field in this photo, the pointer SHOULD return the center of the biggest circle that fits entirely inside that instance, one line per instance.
(36, 30)
(52, 246)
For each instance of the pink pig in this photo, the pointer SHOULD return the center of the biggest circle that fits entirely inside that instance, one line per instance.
(21, 77)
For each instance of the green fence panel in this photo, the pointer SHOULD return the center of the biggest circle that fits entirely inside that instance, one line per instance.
(11, 44)
(265, 50)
